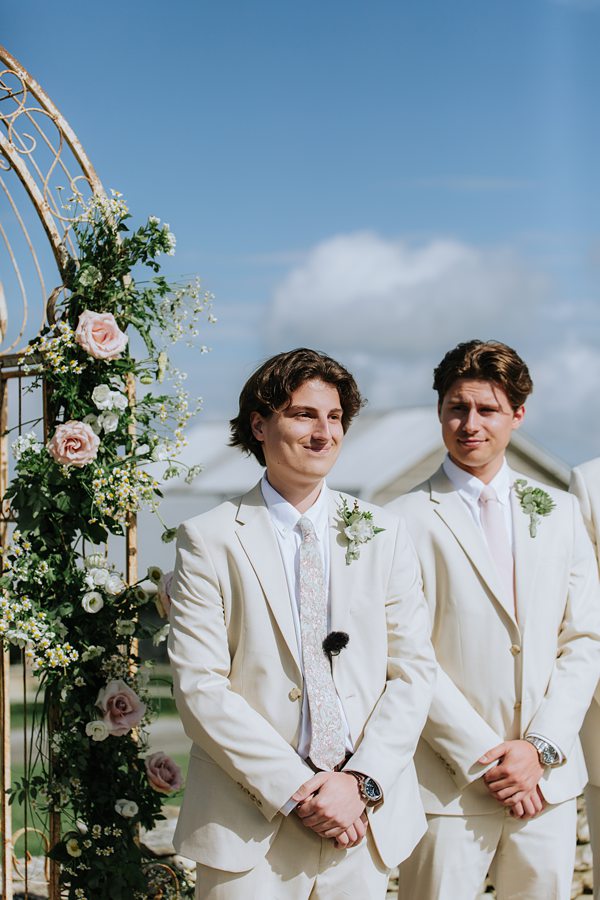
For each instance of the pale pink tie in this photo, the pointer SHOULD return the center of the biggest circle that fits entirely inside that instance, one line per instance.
(327, 742)
(496, 535)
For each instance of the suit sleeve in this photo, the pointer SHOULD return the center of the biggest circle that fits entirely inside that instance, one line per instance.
(579, 488)
(577, 669)
(215, 717)
(393, 729)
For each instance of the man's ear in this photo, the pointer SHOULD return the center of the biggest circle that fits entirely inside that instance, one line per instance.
(256, 424)
(518, 416)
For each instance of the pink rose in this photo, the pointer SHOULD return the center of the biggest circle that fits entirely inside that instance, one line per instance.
(74, 444)
(163, 774)
(163, 595)
(99, 335)
(122, 708)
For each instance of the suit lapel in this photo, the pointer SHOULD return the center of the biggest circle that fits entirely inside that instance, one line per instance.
(257, 537)
(453, 512)
(527, 555)
(341, 576)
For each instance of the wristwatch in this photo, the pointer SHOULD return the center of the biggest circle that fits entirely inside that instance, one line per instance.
(547, 752)
(368, 788)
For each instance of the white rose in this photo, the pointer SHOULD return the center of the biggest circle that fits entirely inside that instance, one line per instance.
(97, 730)
(118, 400)
(125, 626)
(108, 421)
(92, 602)
(360, 531)
(92, 421)
(159, 452)
(113, 584)
(99, 577)
(126, 808)
(102, 396)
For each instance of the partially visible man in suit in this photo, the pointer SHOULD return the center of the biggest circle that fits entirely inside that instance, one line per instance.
(303, 668)
(585, 484)
(512, 584)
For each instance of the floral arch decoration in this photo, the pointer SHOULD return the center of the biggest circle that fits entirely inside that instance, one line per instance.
(106, 406)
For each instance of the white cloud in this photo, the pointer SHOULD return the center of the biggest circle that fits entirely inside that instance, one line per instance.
(564, 408)
(365, 294)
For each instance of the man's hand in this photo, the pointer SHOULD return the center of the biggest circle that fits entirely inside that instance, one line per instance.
(330, 803)
(517, 774)
(353, 835)
(529, 806)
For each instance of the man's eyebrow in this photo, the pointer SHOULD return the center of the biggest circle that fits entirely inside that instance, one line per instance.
(336, 409)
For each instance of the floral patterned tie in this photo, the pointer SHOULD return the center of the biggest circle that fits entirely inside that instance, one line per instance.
(327, 743)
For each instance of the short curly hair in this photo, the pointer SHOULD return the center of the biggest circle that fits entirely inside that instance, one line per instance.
(487, 361)
(271, 386)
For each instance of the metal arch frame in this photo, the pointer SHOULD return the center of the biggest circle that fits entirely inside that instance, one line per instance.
(15, 156)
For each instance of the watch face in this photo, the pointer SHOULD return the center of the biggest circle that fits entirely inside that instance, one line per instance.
(371, 789)
(549, 756)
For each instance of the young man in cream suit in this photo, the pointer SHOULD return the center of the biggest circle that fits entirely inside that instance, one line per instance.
(301, 780)
(512, 585)
(585, 484)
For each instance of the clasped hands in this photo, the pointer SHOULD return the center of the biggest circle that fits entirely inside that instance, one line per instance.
(330, 804)
(514, 781)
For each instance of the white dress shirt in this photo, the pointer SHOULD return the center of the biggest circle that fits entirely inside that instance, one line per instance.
(469, 489)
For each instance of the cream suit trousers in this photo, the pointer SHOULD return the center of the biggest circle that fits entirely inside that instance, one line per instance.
(300, 865)
(531, 860)
(592, 803)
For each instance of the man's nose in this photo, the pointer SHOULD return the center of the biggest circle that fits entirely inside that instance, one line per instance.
(322, 428)
(471, 421)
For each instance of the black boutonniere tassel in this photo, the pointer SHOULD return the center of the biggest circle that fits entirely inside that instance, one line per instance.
(335, 642)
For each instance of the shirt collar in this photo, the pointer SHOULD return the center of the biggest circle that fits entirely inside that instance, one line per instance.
(472, 486)
(285, 517)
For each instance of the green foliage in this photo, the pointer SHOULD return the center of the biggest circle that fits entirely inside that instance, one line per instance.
(61, 601)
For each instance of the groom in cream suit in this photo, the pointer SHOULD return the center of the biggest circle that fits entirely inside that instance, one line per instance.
(512, 584)
(585, 484)
(303, 668)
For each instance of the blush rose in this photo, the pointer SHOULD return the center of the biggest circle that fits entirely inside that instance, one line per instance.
(74, 444)
(99, 335)
(164, 775)
(121, 707)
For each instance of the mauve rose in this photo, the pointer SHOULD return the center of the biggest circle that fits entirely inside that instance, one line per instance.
(122, 708)
(163, 774)
(99, 335)
(74, 444)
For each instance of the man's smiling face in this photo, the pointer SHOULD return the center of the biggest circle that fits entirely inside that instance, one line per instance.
(477, 424)
(301, 441)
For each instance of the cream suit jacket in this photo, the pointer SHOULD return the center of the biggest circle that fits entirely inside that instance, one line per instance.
(585, 484)
(499, 679)
(238, 679)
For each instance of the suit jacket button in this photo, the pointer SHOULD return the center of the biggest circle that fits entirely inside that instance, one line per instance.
(295, 694)
(515, 649)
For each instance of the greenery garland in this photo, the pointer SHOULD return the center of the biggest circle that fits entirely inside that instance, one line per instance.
(62, 602)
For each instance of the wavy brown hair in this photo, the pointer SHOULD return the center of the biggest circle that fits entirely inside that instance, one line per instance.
(486, 361)
(270, 389)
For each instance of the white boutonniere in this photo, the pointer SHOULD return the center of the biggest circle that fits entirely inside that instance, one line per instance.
(357, 528)
(534, 502)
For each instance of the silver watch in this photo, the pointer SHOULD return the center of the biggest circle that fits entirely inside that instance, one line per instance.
(368, 788)
(547, 752)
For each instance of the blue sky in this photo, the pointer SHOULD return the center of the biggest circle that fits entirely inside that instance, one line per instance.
(378, 180)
